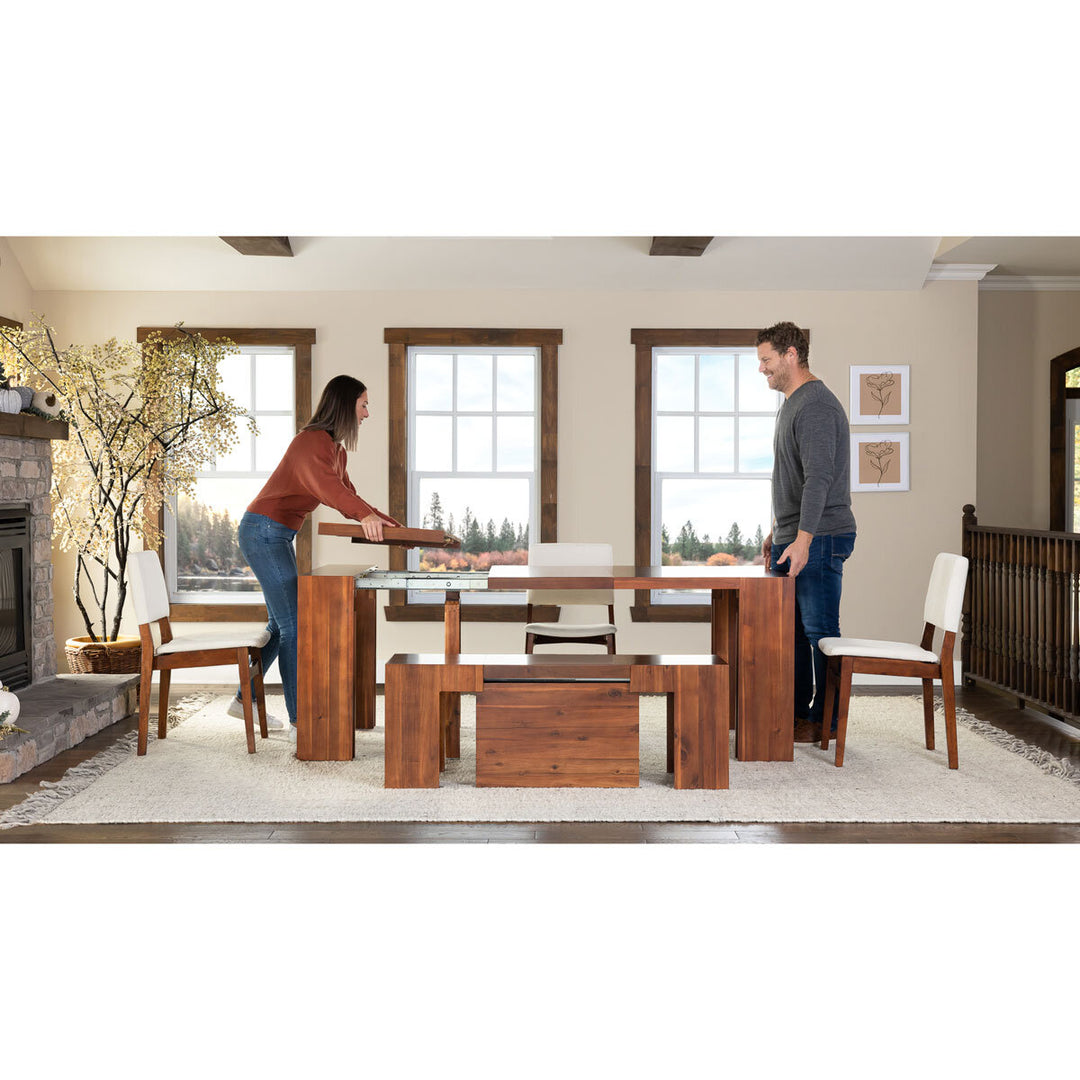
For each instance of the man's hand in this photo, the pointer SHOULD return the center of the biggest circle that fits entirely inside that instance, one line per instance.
(372, 526)
(796, 553)
(766, 548)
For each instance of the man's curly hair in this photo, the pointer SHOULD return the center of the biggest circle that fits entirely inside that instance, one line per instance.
(784, 336)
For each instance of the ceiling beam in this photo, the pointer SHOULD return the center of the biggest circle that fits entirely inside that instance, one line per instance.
(260, 245)
(679, 245)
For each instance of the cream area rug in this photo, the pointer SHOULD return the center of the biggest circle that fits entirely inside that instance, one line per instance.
(203, 773)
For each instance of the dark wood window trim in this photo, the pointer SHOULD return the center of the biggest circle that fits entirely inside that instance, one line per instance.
(547, 341)
(1060, 366)
(644, 341)
(301, 340)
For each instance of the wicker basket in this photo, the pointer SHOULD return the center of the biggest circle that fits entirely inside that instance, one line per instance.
(120, 657)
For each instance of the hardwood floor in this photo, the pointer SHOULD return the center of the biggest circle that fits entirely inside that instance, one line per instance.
(1054, 736)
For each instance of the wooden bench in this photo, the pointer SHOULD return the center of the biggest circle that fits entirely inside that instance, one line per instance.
(555, 720)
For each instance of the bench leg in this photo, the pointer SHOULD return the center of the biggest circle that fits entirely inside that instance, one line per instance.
(702, 724)
(413, 734)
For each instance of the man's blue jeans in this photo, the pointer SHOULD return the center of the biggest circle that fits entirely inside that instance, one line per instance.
(268, 548)
(817, 616)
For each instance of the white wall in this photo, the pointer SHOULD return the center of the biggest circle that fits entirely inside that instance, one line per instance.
(15, 293)
(933, 330)
(1019, 334)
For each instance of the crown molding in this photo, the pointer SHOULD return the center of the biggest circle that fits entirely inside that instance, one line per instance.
(1017, 283)
(959, 271)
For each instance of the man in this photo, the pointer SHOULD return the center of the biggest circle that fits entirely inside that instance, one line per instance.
(813, 529)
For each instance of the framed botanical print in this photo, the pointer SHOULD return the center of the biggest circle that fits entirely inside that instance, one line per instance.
(880, 395)
(880, 461)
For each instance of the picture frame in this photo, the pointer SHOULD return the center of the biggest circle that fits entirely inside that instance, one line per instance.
(880, 394)
(881, 461)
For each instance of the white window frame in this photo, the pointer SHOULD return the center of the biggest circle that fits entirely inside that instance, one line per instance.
(686, 596)
(414, 475)
(253, 596)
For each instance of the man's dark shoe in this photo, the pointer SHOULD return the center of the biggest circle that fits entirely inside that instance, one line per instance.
(807, 732)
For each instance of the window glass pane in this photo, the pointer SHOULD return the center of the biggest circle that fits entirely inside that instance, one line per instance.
(714, 520)
(207, 552)
(716, 383)
(716, 446)
(434, 445)
(434, 374)
(674, 382)
(754, 392)
(236, 379)
(675, 444)
(490, 516)
(275, 434)
(238, 459)
(756, 443)
(474, 444)
(274, 382)
(517, 383)
(474, 375)
(515, 444)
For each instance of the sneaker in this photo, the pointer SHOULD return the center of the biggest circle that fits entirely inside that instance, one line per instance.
(236, 708)
(292, 733)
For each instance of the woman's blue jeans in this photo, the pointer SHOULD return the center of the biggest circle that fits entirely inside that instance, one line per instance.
(817, 616)
(268, 548)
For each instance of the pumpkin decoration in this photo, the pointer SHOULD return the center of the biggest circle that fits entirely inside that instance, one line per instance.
(26, 395)
(47, 402)
(9, 706)
(10, 401)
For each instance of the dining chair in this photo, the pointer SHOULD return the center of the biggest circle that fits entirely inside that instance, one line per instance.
(565, 633)
(162, 651)
(846, 656)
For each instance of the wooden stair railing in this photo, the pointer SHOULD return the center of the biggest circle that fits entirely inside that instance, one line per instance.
(1021, 621)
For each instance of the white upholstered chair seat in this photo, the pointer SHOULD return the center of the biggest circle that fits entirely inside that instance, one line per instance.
(215, 639)
(568, 630)
(886, 650)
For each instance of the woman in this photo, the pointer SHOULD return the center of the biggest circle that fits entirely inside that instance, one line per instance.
(311, 473)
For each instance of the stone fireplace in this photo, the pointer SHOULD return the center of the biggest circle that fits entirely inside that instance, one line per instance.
(56, 711)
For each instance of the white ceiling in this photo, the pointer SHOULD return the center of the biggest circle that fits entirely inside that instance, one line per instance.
(138, 263)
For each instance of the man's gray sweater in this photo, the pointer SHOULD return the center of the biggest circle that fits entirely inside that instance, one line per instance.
(811, 487)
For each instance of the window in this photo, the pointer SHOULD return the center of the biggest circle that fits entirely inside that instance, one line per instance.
(205, 572)
(473, 451)
(704, 449)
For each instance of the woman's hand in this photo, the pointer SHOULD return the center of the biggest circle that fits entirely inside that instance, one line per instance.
(373, 528)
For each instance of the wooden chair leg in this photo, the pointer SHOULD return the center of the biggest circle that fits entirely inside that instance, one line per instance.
(530, 640)
(831, 674)
(948, 693)
(928, 711)
(610, 640)
(255, 660)
(163, 703)
(145, 683)
(670, 705)
(846, 666)
(245, 693)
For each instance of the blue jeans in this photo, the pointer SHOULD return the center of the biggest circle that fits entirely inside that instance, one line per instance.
(268, 548)
(817, 616)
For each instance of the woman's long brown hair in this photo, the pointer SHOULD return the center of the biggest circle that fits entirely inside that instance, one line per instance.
(336, 411)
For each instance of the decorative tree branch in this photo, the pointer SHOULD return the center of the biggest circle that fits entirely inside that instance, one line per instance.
(143, 421)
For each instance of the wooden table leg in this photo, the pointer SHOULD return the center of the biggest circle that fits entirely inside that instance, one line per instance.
(364, 684)
(325, 675)
(450, 703)
(766, 670)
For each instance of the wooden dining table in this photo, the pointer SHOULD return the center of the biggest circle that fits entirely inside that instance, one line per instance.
(752, 631)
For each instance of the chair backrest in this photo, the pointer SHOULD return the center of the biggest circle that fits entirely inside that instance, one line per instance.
(147, 585)
(945, 595)
(598, 555)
